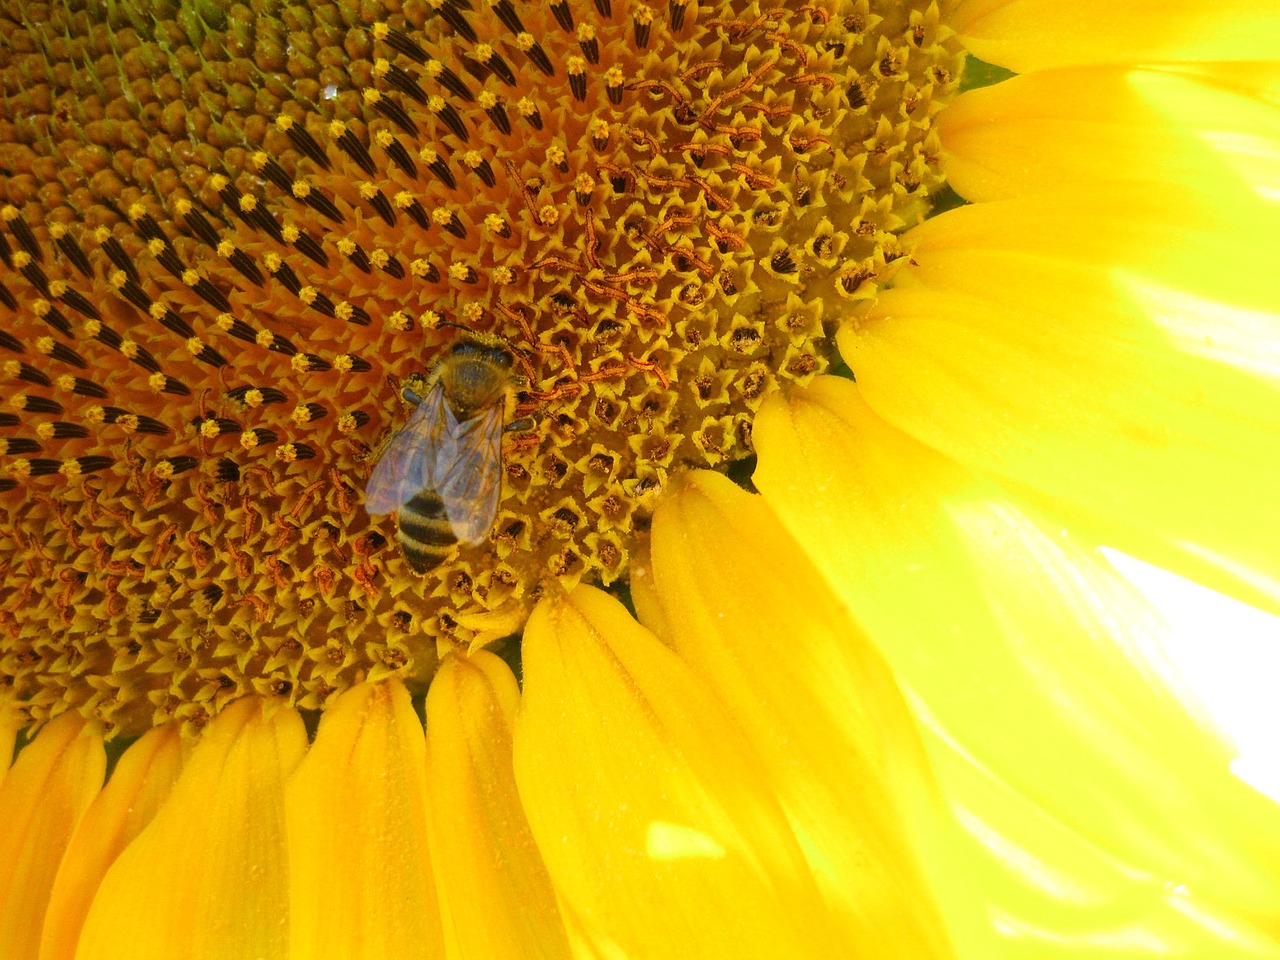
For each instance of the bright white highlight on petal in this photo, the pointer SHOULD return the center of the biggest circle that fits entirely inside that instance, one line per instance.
(1227, 652)
(330, 91)
(1248, 340)
(671, 841)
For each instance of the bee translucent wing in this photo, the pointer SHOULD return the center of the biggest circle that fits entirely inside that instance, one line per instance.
(404, 466)
(467, 473)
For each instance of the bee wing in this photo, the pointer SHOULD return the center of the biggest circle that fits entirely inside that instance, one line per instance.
(467, 473)
(403, 468)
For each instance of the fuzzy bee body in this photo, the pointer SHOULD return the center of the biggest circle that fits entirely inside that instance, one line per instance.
(441, 473)
(425, 533)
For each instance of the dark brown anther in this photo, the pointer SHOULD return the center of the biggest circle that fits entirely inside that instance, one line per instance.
(322, 304)
(35, 276)
(454, 122)
(175, 324)
(360, 259)
(405, 82)
(211, 295)
(310, 248)
(280, 344)
(392, 110)
(350, 144)
(403, 44)
(604, 7)
(563, 15)
(442, 173)
(181, 464)
(301, 138)
(170, 260)
(62, 430)
(245, 265)
(590, 49)
(578, 84)
(535, 119)
(400, 157)
(270, 395)
(143, 358)
(507, 14)
(42, 466)
(455, 227)
(54, 318)
(196, 222)
(210, 356)
(176, 387)
(485, 172)
(498, 114)
(322, 205)
(147, 227)
(782, 262)
(30, 374)
(285, 274)
(501, 68)
(540, 59)
(360, 317)
(6, 252)
(116, 254)
(64, 354)
(676, 9)
(265, 221)
(383, 207)
(453, 83)
(81, 304)
(9, 342)
(42, 405)
(271, 169)
(418, 215)
(26, 238)
(394, 267)
(456, 19)
(72, 250)
(93, 464)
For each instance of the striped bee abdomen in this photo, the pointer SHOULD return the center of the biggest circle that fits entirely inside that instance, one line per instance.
(425, 532)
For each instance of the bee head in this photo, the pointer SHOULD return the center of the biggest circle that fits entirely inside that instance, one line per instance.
(485, 347)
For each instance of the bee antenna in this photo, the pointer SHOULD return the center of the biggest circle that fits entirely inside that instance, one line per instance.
(450, 323)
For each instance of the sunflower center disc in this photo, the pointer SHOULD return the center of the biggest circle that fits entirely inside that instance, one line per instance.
(230, 236)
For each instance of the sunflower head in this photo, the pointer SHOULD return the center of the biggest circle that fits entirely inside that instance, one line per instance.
(232, 235)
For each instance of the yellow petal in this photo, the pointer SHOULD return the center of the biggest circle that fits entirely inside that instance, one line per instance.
(1029, 658)
(207, 879)
(751, 615)
(649, 809)
(1077, 128)
(359, 869)
(1104, 353)
(1026, 35)
(42, 798)
(1054, 895)
(138, 786)
(495, 895)
(10, 724)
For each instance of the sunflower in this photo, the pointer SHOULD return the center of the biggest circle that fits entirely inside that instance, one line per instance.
(830, 345)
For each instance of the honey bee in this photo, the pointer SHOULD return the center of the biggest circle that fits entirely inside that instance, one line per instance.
(442, 471)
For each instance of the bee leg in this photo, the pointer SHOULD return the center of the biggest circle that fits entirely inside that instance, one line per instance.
(524, 423)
